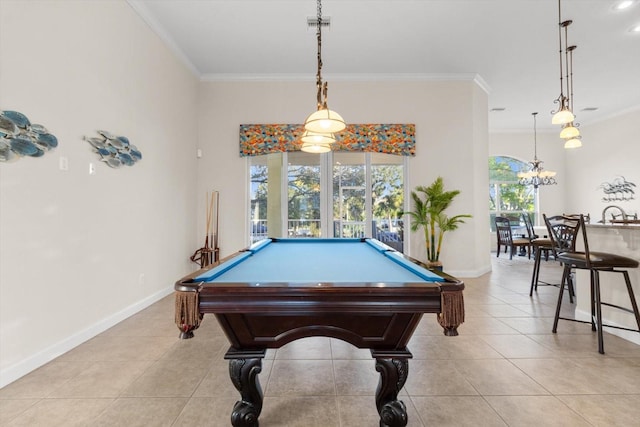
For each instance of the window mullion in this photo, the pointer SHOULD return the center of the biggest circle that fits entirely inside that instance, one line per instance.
(284, 199)
(368, 206)
(407, 202)
(326, 189)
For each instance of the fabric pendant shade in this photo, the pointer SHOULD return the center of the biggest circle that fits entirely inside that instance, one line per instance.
(325, 121)
(315, 148)
(569, 131)
(573, 143)
(562, 117)
(310, 137)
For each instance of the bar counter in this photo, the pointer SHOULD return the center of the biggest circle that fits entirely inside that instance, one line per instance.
(621, 239)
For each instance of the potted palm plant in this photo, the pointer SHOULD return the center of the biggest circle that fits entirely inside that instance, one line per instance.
(429, 204)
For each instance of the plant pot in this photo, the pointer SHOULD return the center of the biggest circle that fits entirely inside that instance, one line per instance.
(434, 265)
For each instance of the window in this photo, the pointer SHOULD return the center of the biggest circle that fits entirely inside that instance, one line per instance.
(349, 195)
(303, 195)
(340, 194)
(506, 196)
(387, 198)
(259, 194)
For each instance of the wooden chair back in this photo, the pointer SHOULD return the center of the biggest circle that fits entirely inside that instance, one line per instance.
(529, 224)
(503, 230)
(563, 231)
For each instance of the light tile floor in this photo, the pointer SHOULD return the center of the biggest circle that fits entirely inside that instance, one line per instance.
(505, 368)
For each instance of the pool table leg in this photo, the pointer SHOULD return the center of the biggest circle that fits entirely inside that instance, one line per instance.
(394, 369)
(244, 367)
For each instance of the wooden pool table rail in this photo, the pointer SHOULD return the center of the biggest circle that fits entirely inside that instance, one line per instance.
(379, 316)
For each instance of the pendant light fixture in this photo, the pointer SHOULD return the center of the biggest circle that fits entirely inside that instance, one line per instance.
(536, 176)
(316, 142)
(573, 143)
(321, 125)
(563, 115)
(570, 132)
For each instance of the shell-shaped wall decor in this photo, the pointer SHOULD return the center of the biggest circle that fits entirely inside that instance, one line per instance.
(19, 137)
(114, 150)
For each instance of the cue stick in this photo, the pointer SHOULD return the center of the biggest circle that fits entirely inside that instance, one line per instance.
(205, 253)
(210, 218)
(215, 227)
(206, 235)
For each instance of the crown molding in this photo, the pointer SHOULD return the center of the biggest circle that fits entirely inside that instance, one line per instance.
(613, 115)
(144, 13)
(159, 30)
(372, 77)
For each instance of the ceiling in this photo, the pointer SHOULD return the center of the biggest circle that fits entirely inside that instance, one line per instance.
(509, 46)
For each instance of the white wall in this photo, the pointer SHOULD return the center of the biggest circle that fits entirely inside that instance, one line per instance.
(481, 180)
(610, 148)
(451, 135)
(73, 247)
(552, 198)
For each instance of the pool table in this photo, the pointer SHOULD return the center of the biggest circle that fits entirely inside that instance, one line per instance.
(357, 290)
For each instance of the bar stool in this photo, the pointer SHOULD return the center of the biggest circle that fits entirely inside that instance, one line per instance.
(595, 262)
(565, 241)
(540, 246)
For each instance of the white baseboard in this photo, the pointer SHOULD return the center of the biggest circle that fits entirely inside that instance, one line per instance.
(35, 361)
(469, 273)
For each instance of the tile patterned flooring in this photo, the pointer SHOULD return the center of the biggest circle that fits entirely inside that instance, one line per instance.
(505, 368)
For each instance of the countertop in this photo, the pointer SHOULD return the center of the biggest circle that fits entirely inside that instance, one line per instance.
(621, 225)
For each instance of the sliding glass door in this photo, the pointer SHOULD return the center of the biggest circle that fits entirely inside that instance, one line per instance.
(349, 195)
(339, 194)
(304, 195)
(387, 198)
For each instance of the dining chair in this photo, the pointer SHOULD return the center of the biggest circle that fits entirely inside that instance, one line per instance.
(531, 233)
(505, 238)
(543, 243)
(595, 262)
(539, 246)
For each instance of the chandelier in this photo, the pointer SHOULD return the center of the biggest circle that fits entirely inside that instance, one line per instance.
(322, 124)
(564, 115)
(536, 176)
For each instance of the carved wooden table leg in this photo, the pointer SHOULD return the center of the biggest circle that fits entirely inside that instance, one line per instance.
(394, 370)
(244, 367)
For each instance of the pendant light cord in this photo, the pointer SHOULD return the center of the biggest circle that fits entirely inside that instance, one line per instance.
(322, 91)
(535, 138)
(560, 46)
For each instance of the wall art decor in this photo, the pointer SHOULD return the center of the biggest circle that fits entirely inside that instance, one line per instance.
(19, 137)
(259, 139)
(114, 150)
(618, 190)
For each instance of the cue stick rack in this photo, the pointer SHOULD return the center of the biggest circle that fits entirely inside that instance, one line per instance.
(210, 252)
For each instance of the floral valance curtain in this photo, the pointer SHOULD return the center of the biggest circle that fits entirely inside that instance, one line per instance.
(399, 139)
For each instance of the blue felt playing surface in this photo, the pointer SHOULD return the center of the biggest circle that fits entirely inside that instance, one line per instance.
(319, 260)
